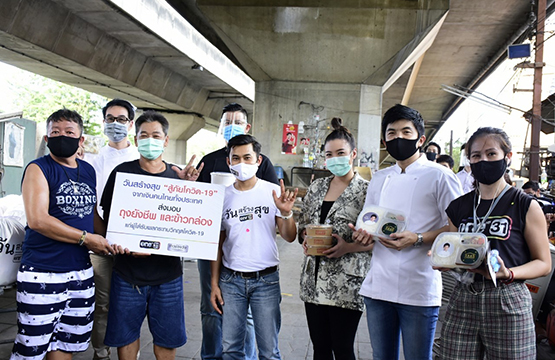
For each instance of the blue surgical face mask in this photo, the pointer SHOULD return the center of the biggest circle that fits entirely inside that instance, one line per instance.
(150, 148)
(233, 130)
(339, 165)
(115, 131)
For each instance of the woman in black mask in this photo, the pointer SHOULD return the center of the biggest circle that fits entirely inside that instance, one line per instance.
(483, 318)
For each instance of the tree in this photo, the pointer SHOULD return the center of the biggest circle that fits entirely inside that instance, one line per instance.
(39, 97)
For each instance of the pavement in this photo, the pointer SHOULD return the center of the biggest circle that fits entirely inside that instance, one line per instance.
(294, 340)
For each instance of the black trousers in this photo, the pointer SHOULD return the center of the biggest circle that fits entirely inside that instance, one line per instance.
(332, 331)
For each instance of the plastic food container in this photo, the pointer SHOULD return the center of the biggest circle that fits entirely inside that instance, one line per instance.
(380, 221)
(317, 250)
(459, 250)
(319, 230)
(222, 178)
(319, 240)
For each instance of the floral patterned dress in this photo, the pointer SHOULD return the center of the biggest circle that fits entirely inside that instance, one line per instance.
(334, 282)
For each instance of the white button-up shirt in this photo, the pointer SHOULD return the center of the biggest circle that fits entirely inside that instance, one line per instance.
(422, 193)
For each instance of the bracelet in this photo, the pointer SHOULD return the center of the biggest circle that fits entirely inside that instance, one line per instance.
(510, 279)
(82, 238)
(288, 216)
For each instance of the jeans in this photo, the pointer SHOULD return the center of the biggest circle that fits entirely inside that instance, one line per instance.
(161, 304)
(212, 321)
(263, 294)
(386, 322)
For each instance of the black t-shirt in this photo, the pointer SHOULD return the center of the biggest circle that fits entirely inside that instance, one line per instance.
(504, 227)
(150, 270)
(215, 162)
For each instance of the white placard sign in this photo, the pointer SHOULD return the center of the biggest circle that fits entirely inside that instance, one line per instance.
(165, 216)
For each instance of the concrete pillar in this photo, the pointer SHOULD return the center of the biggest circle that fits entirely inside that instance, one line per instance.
(182, 127)
(278, 102)
(369, 125)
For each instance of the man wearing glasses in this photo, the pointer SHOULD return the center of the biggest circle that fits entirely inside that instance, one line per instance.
(118, 120)
(233, 123)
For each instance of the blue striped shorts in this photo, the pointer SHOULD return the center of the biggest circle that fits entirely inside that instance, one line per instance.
(54, 311)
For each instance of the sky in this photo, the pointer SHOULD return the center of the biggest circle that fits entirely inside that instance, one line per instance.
(499, 85)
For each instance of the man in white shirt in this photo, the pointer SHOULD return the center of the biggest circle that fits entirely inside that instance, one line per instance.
(402, 292)
(118, 121)
(246, 271)
(465, 174)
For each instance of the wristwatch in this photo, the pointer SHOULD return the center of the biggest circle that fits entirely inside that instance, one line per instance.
(419, 240)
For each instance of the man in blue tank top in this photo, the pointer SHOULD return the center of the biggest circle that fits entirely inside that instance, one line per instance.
(55, 287)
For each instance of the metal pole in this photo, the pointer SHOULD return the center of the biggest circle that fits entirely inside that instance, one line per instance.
(537, 95)
(451, 144)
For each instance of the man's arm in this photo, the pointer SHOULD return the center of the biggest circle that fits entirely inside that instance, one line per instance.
(215, 267)
(36, 198)
(284, 203)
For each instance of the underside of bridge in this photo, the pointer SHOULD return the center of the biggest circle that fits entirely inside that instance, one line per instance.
(149, 51)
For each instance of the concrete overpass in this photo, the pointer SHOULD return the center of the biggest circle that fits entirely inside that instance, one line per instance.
(299, 59)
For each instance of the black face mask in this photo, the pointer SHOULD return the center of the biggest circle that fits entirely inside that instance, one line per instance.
(63, 146)
(488, 172)
(401, 149)
(431, 156)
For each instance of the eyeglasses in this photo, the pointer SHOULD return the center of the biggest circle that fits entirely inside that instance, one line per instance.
(121, 119)
(236, 122)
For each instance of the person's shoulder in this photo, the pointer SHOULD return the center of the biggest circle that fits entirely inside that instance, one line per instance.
(128, 166)
(321, 181)
(381, 173)
(85, 164)
(220, 153)
(268, 185)
(360, 181)
(463, 199)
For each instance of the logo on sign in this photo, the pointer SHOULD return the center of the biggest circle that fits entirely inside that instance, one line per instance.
(147, 244)
(178, 248)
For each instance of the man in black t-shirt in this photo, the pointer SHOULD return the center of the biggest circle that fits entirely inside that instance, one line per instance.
(144, 284)
(234, 122)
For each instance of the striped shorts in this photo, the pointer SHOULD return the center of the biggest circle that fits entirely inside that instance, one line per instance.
(497, 322)
(54, 312)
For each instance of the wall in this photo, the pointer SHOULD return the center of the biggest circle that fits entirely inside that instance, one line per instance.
(277, 102)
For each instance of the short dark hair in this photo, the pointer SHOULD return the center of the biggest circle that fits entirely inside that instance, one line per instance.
(120, 102)
(431, 143)
(65, 114)
(233, 107)
(446, 244)
(534, 185)
(341, 132)
(401, 112)
(446, 159)
(240, 140)
(152, 116)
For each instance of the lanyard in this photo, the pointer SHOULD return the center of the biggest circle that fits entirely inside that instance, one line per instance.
(480, 226)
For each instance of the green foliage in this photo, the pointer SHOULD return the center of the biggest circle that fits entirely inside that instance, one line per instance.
(456, 153)
(39, 97)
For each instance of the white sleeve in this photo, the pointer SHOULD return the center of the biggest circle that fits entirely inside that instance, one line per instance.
(449, 188)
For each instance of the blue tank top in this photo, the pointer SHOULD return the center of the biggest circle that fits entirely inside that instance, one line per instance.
(72, 201)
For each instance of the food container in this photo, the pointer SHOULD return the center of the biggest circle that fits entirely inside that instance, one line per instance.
(319, 230)
(319, 240)
(317, 250)
(380, 221)
(222, 178)
(459, 250)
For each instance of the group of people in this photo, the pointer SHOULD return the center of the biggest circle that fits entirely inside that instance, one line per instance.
(391, 278)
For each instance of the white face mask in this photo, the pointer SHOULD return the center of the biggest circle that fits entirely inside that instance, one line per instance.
(243, 172)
